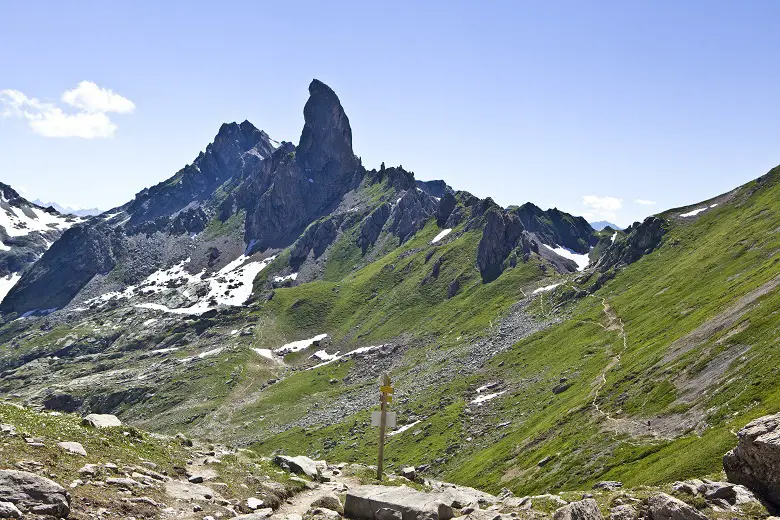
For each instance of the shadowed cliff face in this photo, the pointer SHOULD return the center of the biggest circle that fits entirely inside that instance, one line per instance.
(292, 190)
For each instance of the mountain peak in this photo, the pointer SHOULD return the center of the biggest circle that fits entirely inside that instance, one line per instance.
(326, 135)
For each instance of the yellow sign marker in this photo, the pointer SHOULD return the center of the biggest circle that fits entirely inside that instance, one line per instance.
(386, 389)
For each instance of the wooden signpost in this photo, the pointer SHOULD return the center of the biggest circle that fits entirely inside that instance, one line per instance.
(385, 397)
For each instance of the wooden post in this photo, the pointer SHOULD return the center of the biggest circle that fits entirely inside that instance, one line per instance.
(384, 384)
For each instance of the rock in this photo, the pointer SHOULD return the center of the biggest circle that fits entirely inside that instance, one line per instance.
(608, 485)
(365, 501)
(89, 470)
(8, 510)
(321, 513)
(408, 473)
(254, 503)
(664, 507)
(502, 233)
(641, 239)
(123, 482)
(388, 514)
(623, 512)
(8, 429)
(299, 464)
(32, 493)
(101, 420)
(755, 461)
(195, 479)
(73, 447)
(330, 501)
(582, 510)
(689, 487)
(260, 514)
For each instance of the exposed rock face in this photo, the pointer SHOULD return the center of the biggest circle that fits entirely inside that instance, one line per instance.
(641, 239)
(501, 234)
(326, 139)
(364, 503)
(316, 238)
(582, 510)
(665, 507)
(556, 227)
(372, 226)
(410, 214)
(34, 494)
(445, 208)
(755, 461)
(438, 188)
(82, 252)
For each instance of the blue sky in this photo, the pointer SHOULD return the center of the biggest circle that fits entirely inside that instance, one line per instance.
(586, 106)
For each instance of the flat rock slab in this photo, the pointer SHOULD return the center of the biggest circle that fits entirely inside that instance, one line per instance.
(98, 420)
(586, 509)
(34, 494)
(666, 507)
(364, 503)
(299, 464)
(73, 447)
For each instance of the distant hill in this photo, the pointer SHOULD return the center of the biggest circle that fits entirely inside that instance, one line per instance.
(601, 224)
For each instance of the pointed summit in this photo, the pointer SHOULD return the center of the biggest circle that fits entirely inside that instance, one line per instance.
(326, 137)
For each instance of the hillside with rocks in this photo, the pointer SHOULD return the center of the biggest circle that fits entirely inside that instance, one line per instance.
(252, 299)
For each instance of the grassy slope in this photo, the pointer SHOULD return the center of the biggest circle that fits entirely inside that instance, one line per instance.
(659, 299)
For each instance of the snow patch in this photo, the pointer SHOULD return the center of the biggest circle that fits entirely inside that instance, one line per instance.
(614, 237)
(582, 260)
(694, 212)
(487, 397)
(443, 233)
(544, 289)
(265, 352)
(297, 346)
(206, 354)
(404, 428)
(7, 283)
(280, 279)
(330, 358)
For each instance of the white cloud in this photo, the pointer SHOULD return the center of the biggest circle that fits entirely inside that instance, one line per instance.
(48, 120)
(93, 99)
(644, 202)
(601, 207)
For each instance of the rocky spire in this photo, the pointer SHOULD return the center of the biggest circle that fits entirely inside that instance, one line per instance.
(326, 136)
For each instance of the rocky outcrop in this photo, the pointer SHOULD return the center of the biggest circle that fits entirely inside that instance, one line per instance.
(317, 237)
(366, 501)
(437, 188)
(410, 214)
(755, 461)
(556, 227)
(371, 227)
(503, 232)
(34, 494)
(446, 205)
(82, 252)
(665, 507)
(641, 239)
(586, 509)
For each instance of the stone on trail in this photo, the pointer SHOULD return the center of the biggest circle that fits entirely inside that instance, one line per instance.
(73, 447)
(34, 494)
(260, 514)
(321, 513)
(329, 501)
(97, 420)
(365, 501)
(254, 503)
(581, 510)
(622, 512)
(665, 507)
(755, 461)
(299, 464)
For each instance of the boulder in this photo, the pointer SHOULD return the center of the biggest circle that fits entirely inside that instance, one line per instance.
(608, 485)
(299, 464)
(254, 503)
(364, 503)
(623, 512)
(34, 494)
(388, 514)
(321, 513)
(8, 510)
(409, 473)
(98, 420)
(581, 510)
(665, 507)
(755, 461)
(330, 501)
(73, 447)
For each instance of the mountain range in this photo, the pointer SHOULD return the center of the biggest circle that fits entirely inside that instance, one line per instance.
(255, 295)
(68, 210)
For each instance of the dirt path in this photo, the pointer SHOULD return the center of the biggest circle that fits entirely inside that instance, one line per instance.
(300, 503)
(617, 424)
